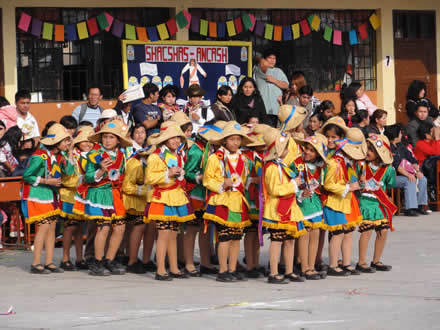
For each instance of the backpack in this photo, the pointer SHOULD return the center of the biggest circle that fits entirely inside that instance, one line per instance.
(83, 110)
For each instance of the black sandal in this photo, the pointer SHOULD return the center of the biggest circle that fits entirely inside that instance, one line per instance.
(39, 269)
(54, 269)
(193, 273)
(365, 269)
(276, 279)
(334, 272)
(351, 270)
(164, 277)
(225, 277)
(294, 278)
(310, 274)
(178, 275)
(67, 266)
(381, 267)
(81, 265)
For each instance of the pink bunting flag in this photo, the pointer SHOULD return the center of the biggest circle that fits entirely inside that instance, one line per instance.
(110, 21)
(337, 37)
(253, 20)
(188, 18)
(25, 21)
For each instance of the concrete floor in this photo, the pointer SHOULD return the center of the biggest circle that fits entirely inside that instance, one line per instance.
(408, 297)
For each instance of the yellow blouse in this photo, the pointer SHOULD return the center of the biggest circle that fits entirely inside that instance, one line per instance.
(134, 189)
(157, 175)
(278, 186)
(293, 152)
(339, 198)
(213, 179)
(69, 185)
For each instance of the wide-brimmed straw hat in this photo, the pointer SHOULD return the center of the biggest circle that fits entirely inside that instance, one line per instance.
(257, 138)
(318, 142)
(212, 132)
(168, 130)
(56, 133)
(115, 127)
(382, 146)
(230, 129)
(354, 144)
(336, 120)
(262, 129)
(194, 90)
(291, 116)
(276, 142)
(180, 118)
(83, 134)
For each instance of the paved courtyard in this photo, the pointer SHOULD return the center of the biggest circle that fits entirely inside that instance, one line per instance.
(408, 297)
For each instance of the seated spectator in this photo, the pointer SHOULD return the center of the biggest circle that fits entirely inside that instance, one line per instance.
(361, 120)
(123, 111)
(378, 122)
(9, 145)
(409, 176)
(326, 110)
(305, 100)
(8, 113)
(315, 123)
(421, 115)
(428, 143)
(146, 112)
(70, 123)
(348, 110)
(247, 103)
(221, 108)
(416, 94)
(356, 91)
(167, 104)
(85, 123)
(91, 110)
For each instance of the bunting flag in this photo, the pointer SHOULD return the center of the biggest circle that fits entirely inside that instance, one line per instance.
(183, 19)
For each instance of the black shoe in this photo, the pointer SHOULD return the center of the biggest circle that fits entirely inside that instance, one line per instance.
(67, 266)
(351, 271)
(214, 260)
(114, 267)
(292, 277)
(122, 260)
(178, 275)
(297, 268)
(421, 210)
(150, 266)
(97, 269)
(39, 269)
(262, 270)
(276, 279)
(53, 269)
(136, 268)
(225, 277)
(365, 269)
(238, 276)
(208, 270)
(193, 273)
(181, 264)
(381, 267)
(253, 273)
(90, 261)
(164, 277)
(334, 272)
(323, 274)
(81, 265)
(411, 213)
(240, 268)
(308, 276)
(281, 269)
(321, 267)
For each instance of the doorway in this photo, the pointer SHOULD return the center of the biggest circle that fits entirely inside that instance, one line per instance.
(415, 55)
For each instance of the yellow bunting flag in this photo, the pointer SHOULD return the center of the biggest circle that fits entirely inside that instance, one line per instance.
(375, 21)
(295, 31)
(47, 31)
(163, 32)
(268, 33)
(231, 28)
(82, 30)
(316, 22)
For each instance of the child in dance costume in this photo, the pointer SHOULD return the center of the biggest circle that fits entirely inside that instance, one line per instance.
(99, 198)
(311, 166)
(282, 214)
(226, 175)
(376, 207)
(41, 179)
(195, 165)
(169, 204)
(341, 210)
(70, 183)
(134, 196)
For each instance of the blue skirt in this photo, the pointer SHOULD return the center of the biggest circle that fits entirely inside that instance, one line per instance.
(334, 220)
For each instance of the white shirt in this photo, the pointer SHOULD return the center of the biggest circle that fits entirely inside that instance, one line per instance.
(91, 115)
(199, 123)
(28, 126)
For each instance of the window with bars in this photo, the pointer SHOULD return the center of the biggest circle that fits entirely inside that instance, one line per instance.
(63, 71)
(325, 65)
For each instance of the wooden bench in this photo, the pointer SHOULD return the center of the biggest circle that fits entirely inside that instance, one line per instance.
(437, 192)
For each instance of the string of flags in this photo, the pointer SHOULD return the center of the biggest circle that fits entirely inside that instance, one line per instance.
(184, 20)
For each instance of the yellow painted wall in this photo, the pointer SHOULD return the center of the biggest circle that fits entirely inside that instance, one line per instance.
(385, 46)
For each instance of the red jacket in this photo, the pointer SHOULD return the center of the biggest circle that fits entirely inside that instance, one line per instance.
(424, 149)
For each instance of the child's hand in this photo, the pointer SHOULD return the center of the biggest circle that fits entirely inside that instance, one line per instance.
(354, 186)
(307, 193)
(105, 164)
(298, 180)
(195, 116)
(174, 171)
(53, 182)
(227, 183)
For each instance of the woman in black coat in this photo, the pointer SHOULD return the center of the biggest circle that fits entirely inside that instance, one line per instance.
(417, 94)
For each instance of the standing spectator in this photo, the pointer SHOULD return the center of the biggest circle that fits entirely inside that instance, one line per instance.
(167, 104)
(90, 111)
(305, 101)
(417, 94)
(378, 122)
(356, 91)
(221, 108)
(297, 81)
(8, 113)
(271, 81)
(123, 111)
(248, 103)
(409, 177)
(146, 112)
(420, 116)
(27, 123)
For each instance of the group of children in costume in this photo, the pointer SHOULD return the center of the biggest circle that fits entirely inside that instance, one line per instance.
(228, 182)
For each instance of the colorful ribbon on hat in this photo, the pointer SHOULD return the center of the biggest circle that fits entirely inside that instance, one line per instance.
(207, 128)
(284, 125)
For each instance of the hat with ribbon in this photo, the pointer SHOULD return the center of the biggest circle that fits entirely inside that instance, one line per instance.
(318, 142)
(291, 116)
(354, 144)
(336, 120)
(276, 142)
(382, 146)
(83, 134)
(56, 133)
(233, 128)
(168, 130)
(115, 127)
(180, 118)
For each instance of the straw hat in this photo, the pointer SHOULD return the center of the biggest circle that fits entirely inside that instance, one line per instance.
(298, 136)
(83, 134)
(115, 127)
(382, 146)
(356, 146)
(211, 132)
(194, 90)
(180, 118)
(291, 116)
(276, 142)
(233, 128)
(168, 130)
(55, 134)
(108, 113)
(258, 140)
(319, 143)
(336, 120)
(262, 129)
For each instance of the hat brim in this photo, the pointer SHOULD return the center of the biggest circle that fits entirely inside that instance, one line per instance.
(302, 142)
(244, 142)
(52, 141)
(294, 122)
(357, 152)
(321, 130)
(124, 142)
(166, 136)
(384, 154)
(277, 150)
(146, 151)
